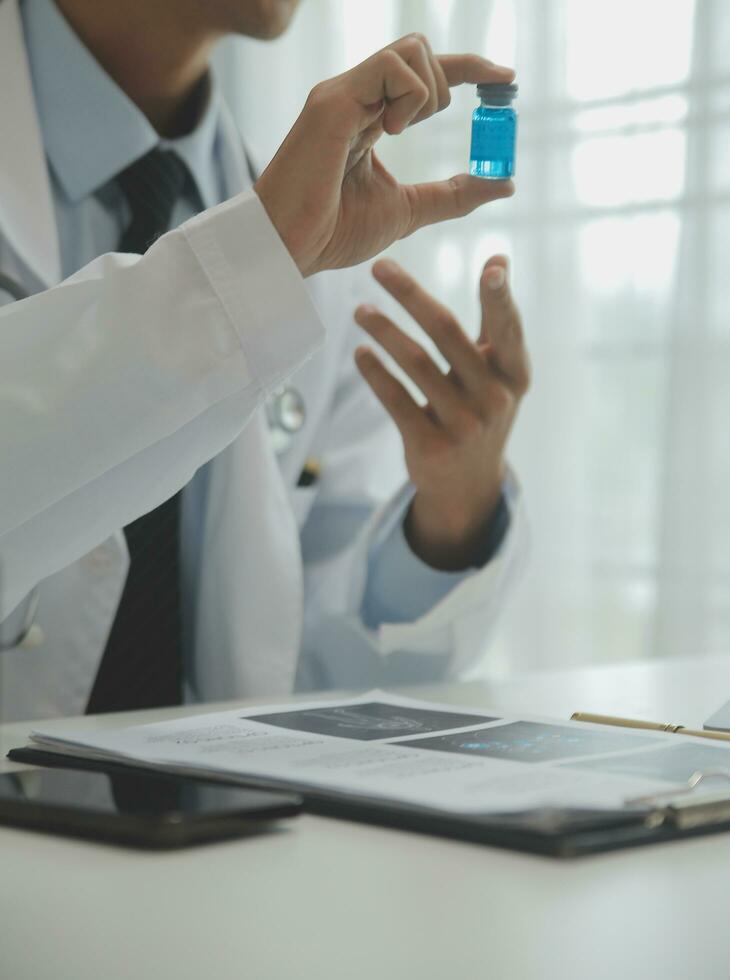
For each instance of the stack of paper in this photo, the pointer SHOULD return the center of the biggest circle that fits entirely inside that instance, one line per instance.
(383, 747)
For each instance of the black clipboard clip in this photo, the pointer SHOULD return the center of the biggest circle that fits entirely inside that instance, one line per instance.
(683, 808)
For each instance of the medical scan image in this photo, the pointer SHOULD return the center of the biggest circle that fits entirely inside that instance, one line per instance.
(527, 741)
(369, 721)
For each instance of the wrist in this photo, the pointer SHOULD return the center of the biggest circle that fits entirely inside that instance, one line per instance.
(289, 226)
(449, 538)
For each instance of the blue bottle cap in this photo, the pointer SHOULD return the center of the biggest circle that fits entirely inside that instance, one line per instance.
(497, 93)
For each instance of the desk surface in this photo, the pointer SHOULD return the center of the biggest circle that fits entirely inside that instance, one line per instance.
(330, 899)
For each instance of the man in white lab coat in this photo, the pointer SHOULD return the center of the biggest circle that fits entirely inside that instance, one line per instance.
(304, 558)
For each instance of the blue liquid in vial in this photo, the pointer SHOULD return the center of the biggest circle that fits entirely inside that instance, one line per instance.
(493, 134)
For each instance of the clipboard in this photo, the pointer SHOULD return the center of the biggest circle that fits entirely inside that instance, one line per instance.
(676, 814)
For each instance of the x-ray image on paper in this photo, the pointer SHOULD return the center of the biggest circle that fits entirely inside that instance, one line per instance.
(526, 741)
(370, 721)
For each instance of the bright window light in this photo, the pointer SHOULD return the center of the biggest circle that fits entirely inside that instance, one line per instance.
(614, 48)
(501, 37)
(441, 13)
(367, 28)
(449, 264)
(647, 112)
(615, 170)
(640, 253)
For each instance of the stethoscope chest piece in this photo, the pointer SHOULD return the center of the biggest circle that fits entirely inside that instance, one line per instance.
(286, 415)
(34, 638)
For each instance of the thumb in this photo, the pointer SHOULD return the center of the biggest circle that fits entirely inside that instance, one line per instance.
(502, 325)
(445, 199)
(494, 294)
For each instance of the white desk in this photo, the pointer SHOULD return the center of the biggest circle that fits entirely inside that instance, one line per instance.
(330, 899)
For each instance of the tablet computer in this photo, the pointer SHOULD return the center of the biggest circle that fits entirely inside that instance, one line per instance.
(137, 808)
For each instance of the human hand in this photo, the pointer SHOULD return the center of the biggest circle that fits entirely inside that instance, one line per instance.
(455, 443)
(330, 198)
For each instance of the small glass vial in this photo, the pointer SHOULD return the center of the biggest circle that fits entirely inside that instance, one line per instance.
(493, 133)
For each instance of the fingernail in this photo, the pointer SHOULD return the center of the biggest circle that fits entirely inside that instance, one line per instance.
(365, 310)
(386, 267)
(495, 277)
(504, 68)
(363, 355)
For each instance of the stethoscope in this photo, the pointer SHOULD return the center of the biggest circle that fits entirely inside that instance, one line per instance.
(285, 415)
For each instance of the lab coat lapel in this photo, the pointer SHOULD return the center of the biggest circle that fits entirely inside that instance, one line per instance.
(26, 207)
(250, 591)
(75, 605)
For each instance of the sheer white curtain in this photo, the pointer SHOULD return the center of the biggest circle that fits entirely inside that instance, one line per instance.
(619, 237)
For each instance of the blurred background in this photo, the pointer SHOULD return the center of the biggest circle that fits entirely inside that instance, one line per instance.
(619, 237)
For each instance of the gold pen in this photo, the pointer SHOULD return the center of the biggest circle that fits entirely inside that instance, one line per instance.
(653, 726)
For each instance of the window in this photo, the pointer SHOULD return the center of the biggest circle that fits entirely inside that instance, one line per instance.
(620, 237)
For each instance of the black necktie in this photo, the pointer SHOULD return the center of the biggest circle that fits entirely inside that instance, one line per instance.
(142, 663)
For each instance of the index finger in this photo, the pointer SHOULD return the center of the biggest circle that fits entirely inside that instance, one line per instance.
(438, 322)
(472, 69)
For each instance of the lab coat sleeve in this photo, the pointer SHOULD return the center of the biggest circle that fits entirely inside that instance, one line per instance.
(363, 486)
(117, 384)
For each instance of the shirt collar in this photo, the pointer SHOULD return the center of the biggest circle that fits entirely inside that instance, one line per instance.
(91, 129)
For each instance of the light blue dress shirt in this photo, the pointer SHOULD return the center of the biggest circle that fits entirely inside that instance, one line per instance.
(73, 93)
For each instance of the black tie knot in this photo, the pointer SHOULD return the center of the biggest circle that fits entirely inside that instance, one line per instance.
(152, 185)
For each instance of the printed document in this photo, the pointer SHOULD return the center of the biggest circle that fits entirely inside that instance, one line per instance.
(415, 753)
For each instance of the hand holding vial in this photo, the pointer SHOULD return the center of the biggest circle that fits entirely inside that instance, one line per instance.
(330, 198)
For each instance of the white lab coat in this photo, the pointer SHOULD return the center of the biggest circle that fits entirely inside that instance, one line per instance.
(117, 384)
